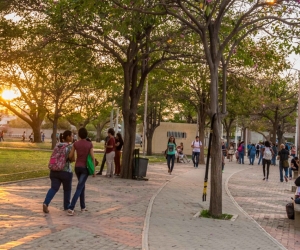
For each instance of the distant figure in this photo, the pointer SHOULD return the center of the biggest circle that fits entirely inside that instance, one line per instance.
(141, 143)
(43, 137)
(31, 137)
(119, 145)
(57, 137)
(110, 153)
(23, 136)
(2, 135)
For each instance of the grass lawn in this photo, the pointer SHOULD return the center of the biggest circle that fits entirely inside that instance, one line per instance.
(24, 163)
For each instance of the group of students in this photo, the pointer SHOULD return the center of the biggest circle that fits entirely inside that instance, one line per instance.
(173, 150)
(83, 148)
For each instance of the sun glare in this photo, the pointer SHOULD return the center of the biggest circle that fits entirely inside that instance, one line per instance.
(9, 94)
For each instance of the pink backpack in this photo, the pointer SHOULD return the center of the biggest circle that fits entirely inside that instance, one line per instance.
(58, 158)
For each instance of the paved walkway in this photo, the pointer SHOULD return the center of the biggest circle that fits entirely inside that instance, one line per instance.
(154, 214)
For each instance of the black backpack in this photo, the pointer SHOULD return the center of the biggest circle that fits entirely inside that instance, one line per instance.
(297, 181)
(290, 210)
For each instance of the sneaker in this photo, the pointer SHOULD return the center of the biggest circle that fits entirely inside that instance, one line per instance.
(290, 178)
(285, 178)
(99, 173)
(70, 212)
(222, 171)
(169, 171)
(84, 209)
(264, 178)
(45, 208)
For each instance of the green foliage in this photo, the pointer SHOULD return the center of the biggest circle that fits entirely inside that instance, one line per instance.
(18, 123)
(206, 214)
(63, 124)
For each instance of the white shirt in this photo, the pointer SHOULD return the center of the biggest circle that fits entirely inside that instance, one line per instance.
(196, 146)
(297, 191)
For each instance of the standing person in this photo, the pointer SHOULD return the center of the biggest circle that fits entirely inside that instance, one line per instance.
(119, 145)
(171, 151)
(252, 154)
(261, 148)
(257, 149)
(83, 148)
(31, 137)
(110, 153)
(63, 177)
(23, 136)
(104, 157)
(224, 150)
(181, 155)
(294, 166)
(293, 151)
(283, 156)
(2, 135)
(241, 150)
(267, 157)
(196, 145)
(231, 151)
(274, 147)
(43, 137)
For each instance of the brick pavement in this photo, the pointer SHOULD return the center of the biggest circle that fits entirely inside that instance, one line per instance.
(265, 202)
(117, 209)
(115, 218)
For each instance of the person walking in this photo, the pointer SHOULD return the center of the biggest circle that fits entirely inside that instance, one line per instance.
(171, 151)
(267, 157)
(274, 147)
(119, 145)
(63, 177)
(23, 136)
(241, 150)
(252, 153)
(110, 153)
(294, 166)
(283, 156)
(104, 157)
(196, 146)
(83, 148)
(261, 148)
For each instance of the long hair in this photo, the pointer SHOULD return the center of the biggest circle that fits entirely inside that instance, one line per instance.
(119, 137)
(173, 140)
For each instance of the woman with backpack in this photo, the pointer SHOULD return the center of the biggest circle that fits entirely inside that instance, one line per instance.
(171, 151)
(241, 150)
(267, 154)
(283, 156)
(63, 176)
(83, 148)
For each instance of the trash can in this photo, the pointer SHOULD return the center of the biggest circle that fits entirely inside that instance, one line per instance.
(140, 165)
(141, 169)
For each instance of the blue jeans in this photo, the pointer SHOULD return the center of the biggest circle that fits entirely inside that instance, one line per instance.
(273, 161)
(57, 178)
(241, 157)
(82, 175)
(195, 158)
(170, 162)
(281, 168)
(252, 158)
(260, 158)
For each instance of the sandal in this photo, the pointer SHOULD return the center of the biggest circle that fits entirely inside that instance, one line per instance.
(70, 212)
(45, 208)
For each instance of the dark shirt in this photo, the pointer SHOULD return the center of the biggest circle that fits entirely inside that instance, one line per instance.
(119, 148)
(111, 142)
(283, 154)
(294, 162)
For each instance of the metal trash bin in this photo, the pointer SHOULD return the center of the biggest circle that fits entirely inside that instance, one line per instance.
(140, 165)
(140, 170)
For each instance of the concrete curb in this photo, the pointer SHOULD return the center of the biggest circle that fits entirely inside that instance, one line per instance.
(247, 215)
(145, 233)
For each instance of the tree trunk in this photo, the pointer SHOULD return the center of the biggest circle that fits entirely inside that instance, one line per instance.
(54, 132)
(202, 139)
(149, 143)
(215, 206)
(36, 127)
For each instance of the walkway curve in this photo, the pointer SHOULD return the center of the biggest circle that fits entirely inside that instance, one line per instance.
(246, 214)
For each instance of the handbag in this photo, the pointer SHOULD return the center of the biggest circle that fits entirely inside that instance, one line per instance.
(90, 165)
(285, 164)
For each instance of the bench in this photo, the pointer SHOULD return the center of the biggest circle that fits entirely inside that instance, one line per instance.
(297, 215)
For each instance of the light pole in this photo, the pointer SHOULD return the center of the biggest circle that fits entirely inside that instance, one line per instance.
(145, 118)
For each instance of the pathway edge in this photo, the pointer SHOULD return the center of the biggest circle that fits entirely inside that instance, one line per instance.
(247, 215)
